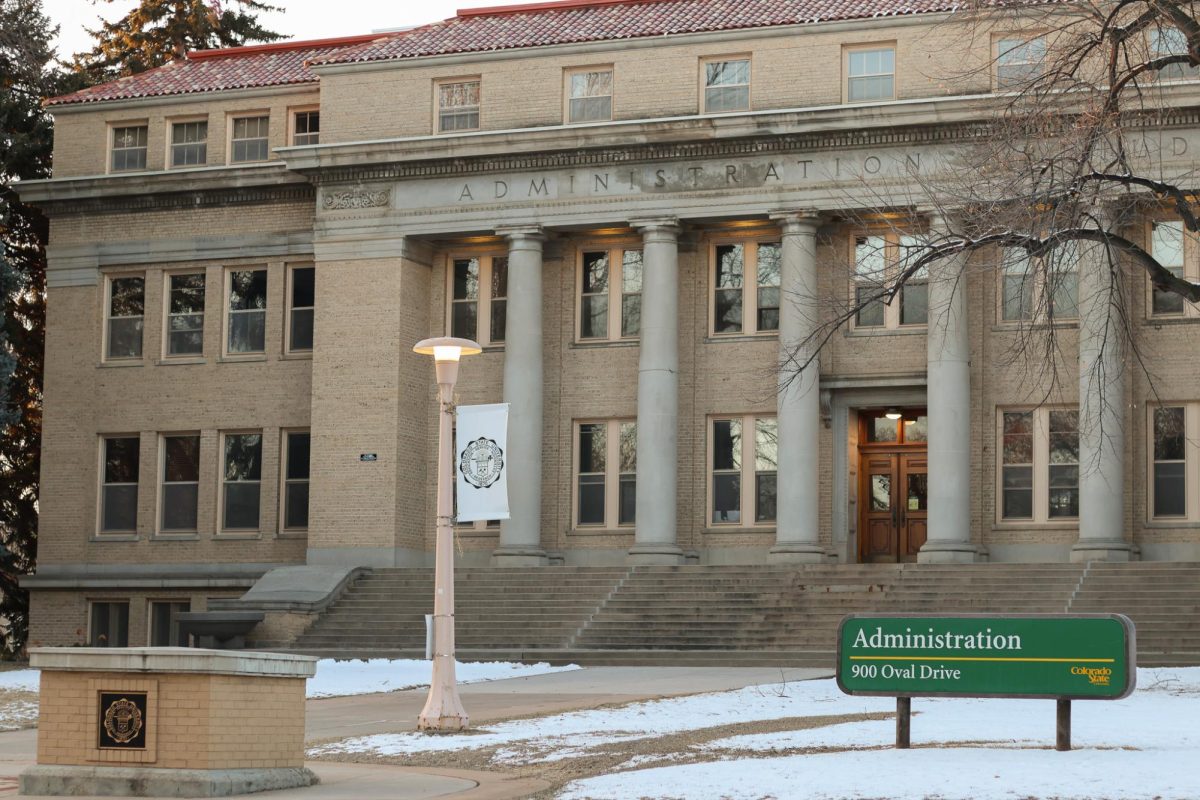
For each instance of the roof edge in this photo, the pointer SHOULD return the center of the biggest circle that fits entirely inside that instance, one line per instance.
(548, 5)
(277, 47)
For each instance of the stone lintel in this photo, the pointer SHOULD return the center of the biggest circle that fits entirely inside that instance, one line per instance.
(190, 660)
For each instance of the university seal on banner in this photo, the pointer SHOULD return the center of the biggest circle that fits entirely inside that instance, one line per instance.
(482, 462)
(123, 721)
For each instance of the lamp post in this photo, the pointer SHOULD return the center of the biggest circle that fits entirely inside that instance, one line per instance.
(443, 710)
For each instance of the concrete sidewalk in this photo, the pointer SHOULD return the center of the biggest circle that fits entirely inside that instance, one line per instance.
(493, 701)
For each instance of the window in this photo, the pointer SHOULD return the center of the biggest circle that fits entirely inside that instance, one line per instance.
(241, 479)
(180, 494)
(249, 139)
(1042, 289)
(738, 306)
(185, 314)
(743, 454)
(726, 86)
(479, 298)
(879, 261)
(129, 148)
(164, 624)
(606, 473)
(119, 484)
(1171, 42)
(1019, 61)
(295, 480)
(1175, 250)
(457, 106)
(126, 316)
(108, 624)
(1174, 463)
(870, 73)
(1039, 474)
(189, 143)
(610, 294)
(302, 288)
(589, 95)
(247, 311)
(306, 128)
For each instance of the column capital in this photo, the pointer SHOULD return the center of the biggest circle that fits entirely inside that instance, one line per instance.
(799, 221)
(943, 220)
(522, 233)
(657, 226)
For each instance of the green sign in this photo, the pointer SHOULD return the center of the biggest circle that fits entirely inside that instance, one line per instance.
(1080, 656)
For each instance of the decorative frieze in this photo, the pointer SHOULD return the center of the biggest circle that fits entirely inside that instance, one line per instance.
(355, 199)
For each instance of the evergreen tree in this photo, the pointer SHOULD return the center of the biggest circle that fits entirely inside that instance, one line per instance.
(159, 31)
(27, 74)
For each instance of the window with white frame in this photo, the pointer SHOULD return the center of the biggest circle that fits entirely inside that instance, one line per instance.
(746, 281)
(241, 481)
(479, 298)
(189, 143)
(164, 623)
(126, 317)
(1039, 465)
(605, 473)
(249, 139)
(879, 261)
(1019, 60)
(180, 491)
(108, 623)
(302, 292)
(306, 127)
(119, 484)
(589, 95)
(1174, 462)
(458, 105)
(247, 317)
(870, 73)
(129, 147)
(297, 446)
(1171, 42)
(1042, 289)
(726, 85)
(610, 294)
(185, 314)
(743, 456)
(1171, 246)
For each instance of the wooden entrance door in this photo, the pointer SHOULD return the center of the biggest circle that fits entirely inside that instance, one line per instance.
(893, 491)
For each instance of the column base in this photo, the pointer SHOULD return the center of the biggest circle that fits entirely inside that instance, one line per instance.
(1102, 550)
(935, 552)
(796, 553)
(519, 557)
(654, 555)
(126, 781)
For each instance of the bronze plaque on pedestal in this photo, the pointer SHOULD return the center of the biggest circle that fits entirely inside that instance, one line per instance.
(123, 720)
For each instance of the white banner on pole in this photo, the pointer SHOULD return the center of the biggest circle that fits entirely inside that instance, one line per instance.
(480, 455)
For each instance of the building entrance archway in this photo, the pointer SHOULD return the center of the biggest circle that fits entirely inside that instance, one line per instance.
(893, 489)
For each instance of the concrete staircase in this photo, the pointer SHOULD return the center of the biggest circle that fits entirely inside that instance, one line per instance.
(737, 615)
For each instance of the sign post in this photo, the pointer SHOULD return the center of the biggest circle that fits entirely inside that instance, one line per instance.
(1061, 657)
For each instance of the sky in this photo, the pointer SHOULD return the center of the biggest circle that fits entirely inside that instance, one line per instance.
(303, 19)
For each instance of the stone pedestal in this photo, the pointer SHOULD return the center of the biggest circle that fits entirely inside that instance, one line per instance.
(168, 722)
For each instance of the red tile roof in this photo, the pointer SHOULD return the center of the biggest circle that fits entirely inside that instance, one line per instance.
(277, 64)
(550, 23)
(487, 29)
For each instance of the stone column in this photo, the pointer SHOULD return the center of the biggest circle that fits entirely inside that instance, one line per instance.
(797, 526)
(948, 393)
(521, 534)
(658, 396)
(1101, 407)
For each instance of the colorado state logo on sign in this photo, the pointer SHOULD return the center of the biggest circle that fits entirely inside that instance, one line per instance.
(482, 462)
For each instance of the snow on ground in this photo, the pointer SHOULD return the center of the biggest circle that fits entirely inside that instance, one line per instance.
(24, 680)
(341, 678)
(1140, 747)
